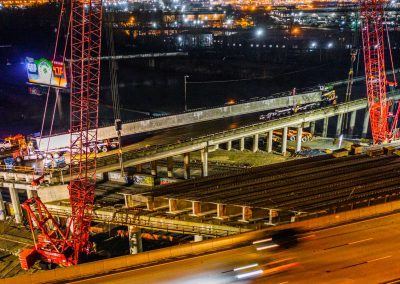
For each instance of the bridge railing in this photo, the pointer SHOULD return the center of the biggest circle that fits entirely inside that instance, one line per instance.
(127, 217)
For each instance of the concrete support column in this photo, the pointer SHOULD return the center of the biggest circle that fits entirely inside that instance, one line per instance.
(186, 166)
(135, 240)
(284, 140)
(229, 145)
(16, 205)
(272, 214)
(172, 205)
(153, 166)
(242, 144)
(198, 238)
(352, 122)
(325, 127)
(247, 214)
(150, 203)
(312, 127)
(196, 208)
(298, 139)
(216, 147)
(29, 193)
(366, 123)
(2, 208)
(204, 161)
(339, 125)
(139, 168)
(269, 141)
(170, 167)
(221, 211)
(255, 143)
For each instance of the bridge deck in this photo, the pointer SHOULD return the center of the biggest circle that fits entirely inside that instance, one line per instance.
(307, 185)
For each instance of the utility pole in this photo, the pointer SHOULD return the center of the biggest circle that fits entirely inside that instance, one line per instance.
(184, 80)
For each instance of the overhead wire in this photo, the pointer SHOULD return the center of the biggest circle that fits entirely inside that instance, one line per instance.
(51, 74)
(58, 90)
(113, 66)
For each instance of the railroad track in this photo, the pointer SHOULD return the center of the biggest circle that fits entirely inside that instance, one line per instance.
(306, 185)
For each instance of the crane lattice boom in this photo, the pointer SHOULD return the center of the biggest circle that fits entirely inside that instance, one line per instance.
(85, 78)
(66, 246)
(375, 72)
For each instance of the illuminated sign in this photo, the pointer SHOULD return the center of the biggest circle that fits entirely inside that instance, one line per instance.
(44, 72)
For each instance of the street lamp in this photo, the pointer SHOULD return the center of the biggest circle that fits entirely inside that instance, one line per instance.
(184, 80)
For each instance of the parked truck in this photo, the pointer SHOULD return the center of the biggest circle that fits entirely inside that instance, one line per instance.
(327, 98)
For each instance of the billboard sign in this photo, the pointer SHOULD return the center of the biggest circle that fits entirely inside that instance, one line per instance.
(45, 72)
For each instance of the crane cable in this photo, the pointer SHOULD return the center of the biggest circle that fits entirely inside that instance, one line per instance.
(393, 84)
(113, 66)
(51, 75)
(353, 53)
(58, 90)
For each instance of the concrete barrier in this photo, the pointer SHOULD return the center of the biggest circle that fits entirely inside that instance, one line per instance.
(125, 262)
(130, 128)
(53, 193)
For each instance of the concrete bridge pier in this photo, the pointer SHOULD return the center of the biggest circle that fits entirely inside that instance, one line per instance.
(153, 166)
(229, 145)
(271, 215)
(221, 211)
(284, 140)
(172, 205)
(365, 124)
(2, 208)
(269, 141)
(312, 127)
(16, 204)
(150, 203)
(29, 193)
(186, 166)
(196, 208)
(325, 127)
(242, 144)
(298, 138)
(255, 143)
(352, 122)
(247, 214)
(170, 167)
(135, 240)
(339, 125)
(204, 161)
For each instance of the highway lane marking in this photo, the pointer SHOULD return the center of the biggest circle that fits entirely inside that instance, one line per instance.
(127, 270)
(357, 222)
(361, 263)
(360, 241)
(351, 243)
(393, 281)
(380, 258)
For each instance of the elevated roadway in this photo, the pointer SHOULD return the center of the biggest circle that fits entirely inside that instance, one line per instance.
(289, 190)
(194, 116)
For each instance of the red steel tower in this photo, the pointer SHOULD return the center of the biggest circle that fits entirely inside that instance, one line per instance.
(375, 72)
(66, 246)
(84, 100)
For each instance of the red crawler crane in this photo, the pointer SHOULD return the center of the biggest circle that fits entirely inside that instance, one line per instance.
(55, 245)
(382, 121)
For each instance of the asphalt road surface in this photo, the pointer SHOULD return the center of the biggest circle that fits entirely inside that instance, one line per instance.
(363, 252)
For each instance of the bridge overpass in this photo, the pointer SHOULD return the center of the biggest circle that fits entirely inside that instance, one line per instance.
(205, 144)
(137, 157)
(194, 116)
